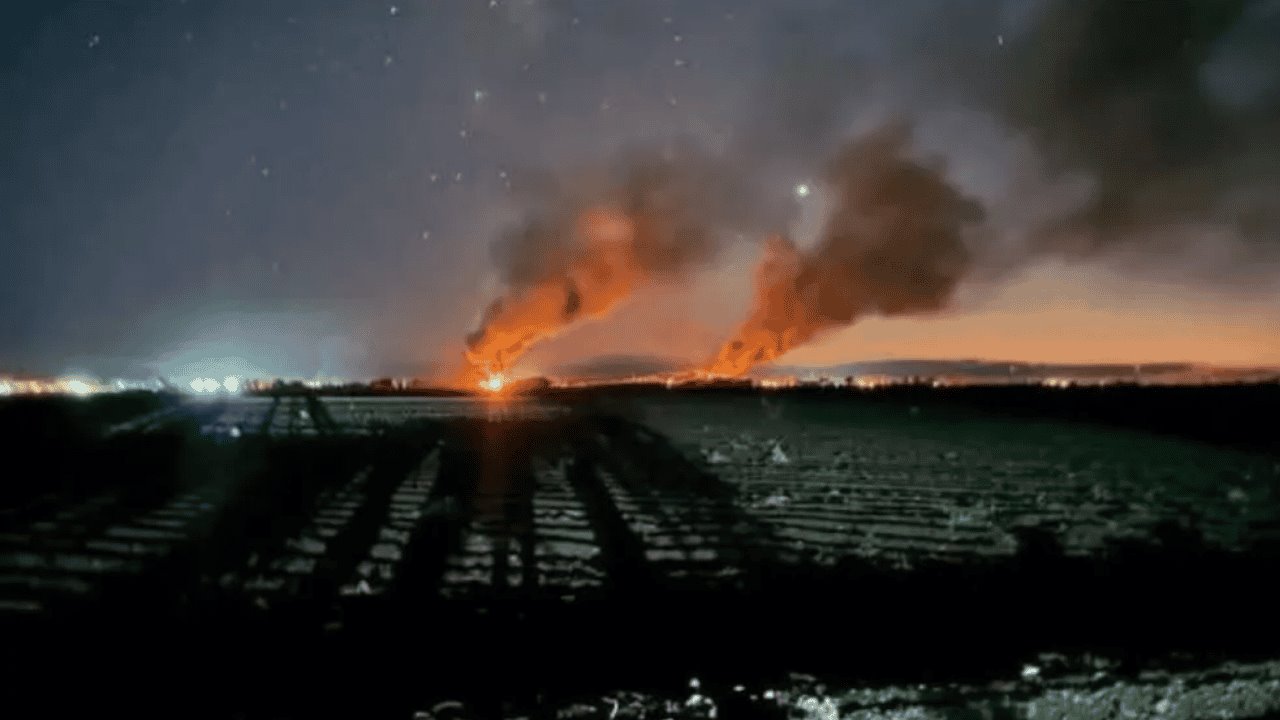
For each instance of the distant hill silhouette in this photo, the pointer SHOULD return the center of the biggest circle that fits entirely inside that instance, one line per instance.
(995, 370)
(622, 366)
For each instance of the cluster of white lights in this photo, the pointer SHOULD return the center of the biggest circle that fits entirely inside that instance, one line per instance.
(59, 386)
(207, 386)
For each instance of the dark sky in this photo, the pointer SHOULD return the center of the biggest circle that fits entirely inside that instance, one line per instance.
(306, 187)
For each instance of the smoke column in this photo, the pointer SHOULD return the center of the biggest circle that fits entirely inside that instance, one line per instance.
(1173, 123)
(893, 244)
(1169, 131)
(574, 259)
(607, 264)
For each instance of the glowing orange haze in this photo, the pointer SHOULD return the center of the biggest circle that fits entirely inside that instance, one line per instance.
(604, 270)
(896, 241)
(893, 243)
(1060, 313)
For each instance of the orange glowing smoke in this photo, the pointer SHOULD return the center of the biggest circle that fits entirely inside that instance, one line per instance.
(590, 242)
(603, 269)
(776, 322)
(893, 244)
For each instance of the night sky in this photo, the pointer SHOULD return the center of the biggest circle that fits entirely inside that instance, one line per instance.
(303, 187)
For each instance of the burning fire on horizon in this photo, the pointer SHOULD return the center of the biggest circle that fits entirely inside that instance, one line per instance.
(893, 243)
(1138, 144)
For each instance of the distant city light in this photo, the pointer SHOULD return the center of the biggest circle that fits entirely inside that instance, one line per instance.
(205, 385)
(231, 384)
(802, 190)
(56, 386)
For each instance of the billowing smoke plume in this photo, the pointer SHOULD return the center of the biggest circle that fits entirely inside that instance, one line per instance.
(595, 238)
(1169, 109)
(581, 254)
(893, 244)
(1165, 112)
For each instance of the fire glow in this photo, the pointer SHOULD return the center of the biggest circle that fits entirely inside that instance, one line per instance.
(893, 243)
(494, 383)
(604, 269)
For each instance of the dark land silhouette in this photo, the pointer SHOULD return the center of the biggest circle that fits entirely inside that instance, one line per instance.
(302, 556)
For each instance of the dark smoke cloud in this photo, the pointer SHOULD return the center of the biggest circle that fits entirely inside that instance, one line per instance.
(686, 203)
(898, 227)
(685, 198)
(594, 238)
(1168, 111)
(1164, 112)
(1169, 108)
(895, 243)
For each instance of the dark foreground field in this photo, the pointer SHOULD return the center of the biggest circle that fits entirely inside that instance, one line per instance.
(589, 555)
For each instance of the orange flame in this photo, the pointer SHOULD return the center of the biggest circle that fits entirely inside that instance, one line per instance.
(893, 244)
(602, 272)
(777, 321)
(494, 383)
